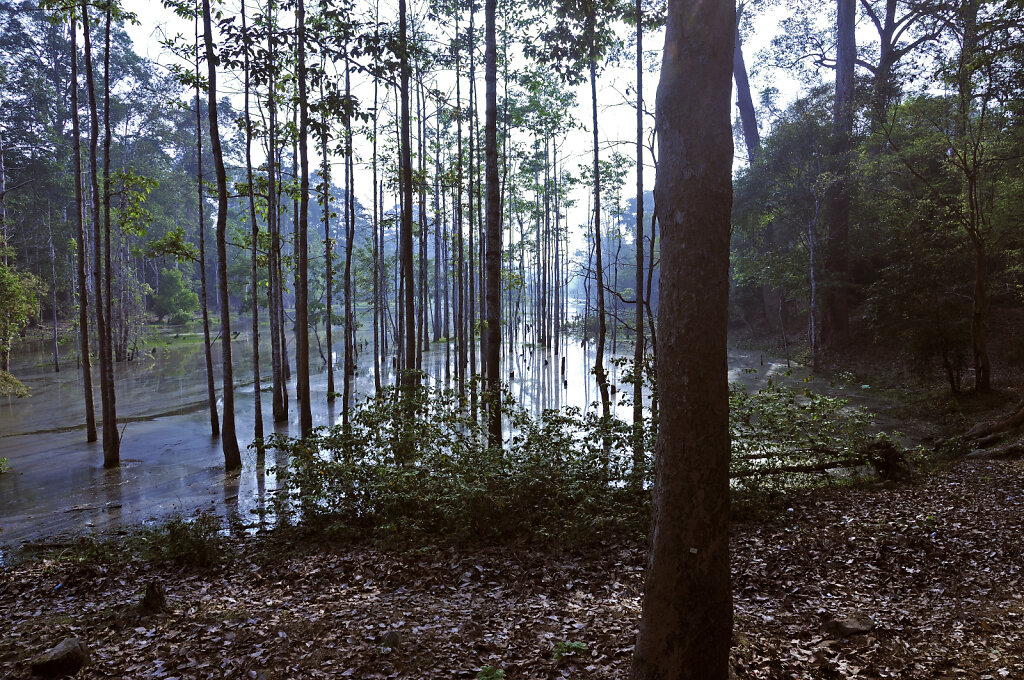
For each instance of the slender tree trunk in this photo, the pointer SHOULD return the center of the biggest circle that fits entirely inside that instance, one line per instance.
(350, 237)
(812, 320)
(111, 437)
(254, 298)
(111, 453)
(493, 256)
(325, 203)
(471, 264)
(460, 309)
(979, 318)
(377, 238)
(410, 380)
(83, 292)
(279, 403)
(602, 330)
(744, 102)
(686, 625)
(421, 218)
(229, 441)
(211, 394)
(301, 247)
(638, 317)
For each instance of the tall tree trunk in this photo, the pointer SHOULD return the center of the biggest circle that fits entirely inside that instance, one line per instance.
(377, 238)
(460, 306)
(979, 319)
(211, 393)
(111, 441)
(638, 317)
(836, 318)
(602, 330)
(254, 297)
(83, 292)
(111, 437)
(744, 101)
(325, 203)
(409, 378)
(471, 263)
(493, 253)
(53, 295)
(350, 237)
(279, 404)
(686, 624)
(302, 251)
(229, 441)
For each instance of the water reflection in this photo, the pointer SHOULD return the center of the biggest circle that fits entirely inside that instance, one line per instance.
(170, 463)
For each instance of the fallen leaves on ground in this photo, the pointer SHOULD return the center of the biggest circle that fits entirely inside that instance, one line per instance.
(937, 564)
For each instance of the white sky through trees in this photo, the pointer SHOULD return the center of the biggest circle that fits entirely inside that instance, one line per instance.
(617, 118)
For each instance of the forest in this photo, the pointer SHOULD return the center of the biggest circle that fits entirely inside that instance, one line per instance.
(583, 338)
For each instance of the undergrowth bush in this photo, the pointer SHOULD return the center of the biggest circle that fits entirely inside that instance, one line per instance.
(196, 542)
(781, 435)
(415, 465)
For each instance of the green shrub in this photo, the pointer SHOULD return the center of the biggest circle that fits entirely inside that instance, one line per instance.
(564, 650)
(196, 542)
(174, 298)
(490, 673)
(781, 435)
(421, 465)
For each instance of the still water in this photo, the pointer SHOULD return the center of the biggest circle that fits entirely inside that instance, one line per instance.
(170, 463)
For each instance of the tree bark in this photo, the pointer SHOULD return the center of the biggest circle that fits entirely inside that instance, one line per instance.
(211, 392)
(638, 317)
(229, 441)
(254, 293)
(687, 607)
(83, 292)
(602, 329)
(744, 101)
(279, 400)
(111, 441)
(409, 378)
(301, 245)
(836, 316)
(493, 257)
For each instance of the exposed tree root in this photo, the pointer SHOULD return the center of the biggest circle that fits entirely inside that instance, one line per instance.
(985, 431)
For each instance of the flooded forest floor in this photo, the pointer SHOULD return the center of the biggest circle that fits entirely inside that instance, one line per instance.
(935, 563)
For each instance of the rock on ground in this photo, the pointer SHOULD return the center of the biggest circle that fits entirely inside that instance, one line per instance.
(67, 658)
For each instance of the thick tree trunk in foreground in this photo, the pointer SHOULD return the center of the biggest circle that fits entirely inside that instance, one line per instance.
(687, 609)
(229, 441)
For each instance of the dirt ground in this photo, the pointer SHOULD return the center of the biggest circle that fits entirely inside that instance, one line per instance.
(937, 564)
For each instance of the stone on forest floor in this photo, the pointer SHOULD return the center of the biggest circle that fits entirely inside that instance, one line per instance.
(851, 625)
(391, 639)
(67, 658)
